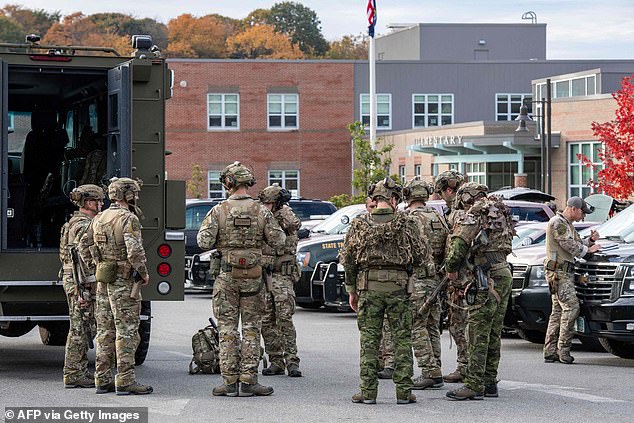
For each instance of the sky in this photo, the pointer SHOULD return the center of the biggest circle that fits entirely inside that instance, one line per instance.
(576, 29)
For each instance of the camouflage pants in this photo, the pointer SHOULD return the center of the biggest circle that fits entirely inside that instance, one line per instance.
(396, 308)
(238, 301)
(118, 321)
(458, 317)
(486, 317)
(278, 331)
(75, 354)
(565, 310)
(426, 327)
(386, 348)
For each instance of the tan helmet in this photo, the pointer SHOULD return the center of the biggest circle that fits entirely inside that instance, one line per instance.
(469, 192)
(86, 192)
(124, 189)
(448, 179)
(274, 194)
(417, 190)
(237, 174)
(385, 189)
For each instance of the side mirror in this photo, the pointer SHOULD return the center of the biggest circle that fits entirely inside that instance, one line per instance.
(303, 233)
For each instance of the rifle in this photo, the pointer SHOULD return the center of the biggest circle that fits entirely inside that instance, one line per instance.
(434, 294)
(268, 279)
(82, 293)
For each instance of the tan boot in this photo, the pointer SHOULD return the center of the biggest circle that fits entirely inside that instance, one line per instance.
(82, 382)
(410, 399)
(464, 393)
(454, 377)
(251, 389)
(134, 389)
(223, 390)
(359, 398)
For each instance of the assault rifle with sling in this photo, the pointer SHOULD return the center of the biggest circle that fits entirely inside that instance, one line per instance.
(82, 293)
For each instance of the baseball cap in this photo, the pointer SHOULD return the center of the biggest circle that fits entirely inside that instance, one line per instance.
(580, 203)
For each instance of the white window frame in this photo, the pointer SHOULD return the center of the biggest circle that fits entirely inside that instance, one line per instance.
(216, 176)
(282, 181)
(223, 113)
(438, 115)
(418, 169)
(577, 189)
(362, 115)
(541, 87)
(402, 174)
(510, 115)
(283, 113)
(479, 176)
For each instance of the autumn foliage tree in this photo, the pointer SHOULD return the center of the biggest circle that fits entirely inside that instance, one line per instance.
(617, 152)
(350, 47)
(28, 21)
(189, 36)
(262, 42)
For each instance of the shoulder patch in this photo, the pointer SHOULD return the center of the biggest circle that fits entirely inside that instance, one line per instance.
(562, 229)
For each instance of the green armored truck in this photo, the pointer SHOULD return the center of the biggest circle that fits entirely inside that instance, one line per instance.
(73, 115)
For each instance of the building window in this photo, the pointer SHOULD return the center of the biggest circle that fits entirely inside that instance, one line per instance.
(223, 111)
(401, 174)
(283, 111)
(216, 190)
(579, 174)
(573, 87)
(432, 110)
(383, 111)
(507, 106)
(417, 170)
(476, 172)
(288, 179)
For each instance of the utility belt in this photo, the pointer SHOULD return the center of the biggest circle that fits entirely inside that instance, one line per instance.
(383, 279)
(109, 271)
(564, 266)
(425, 271)
(254, 272)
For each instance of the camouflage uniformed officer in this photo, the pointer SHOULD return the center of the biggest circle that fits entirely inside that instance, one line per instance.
(482, 238)
(563, 244)
(378, 254)
(238, 227)
(114, 247)
(278, 331)
(426, 328)
(89, 199)
(446, 185)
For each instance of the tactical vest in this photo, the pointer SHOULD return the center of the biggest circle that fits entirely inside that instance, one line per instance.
(108, 231)
(496, 221)
(383, 243)
(554, 251)
(72, 231)
(240, 225)
(436, 230)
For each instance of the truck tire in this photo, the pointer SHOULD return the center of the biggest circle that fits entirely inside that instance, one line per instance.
(15, 329)
(619, 348)
(54, 333)
(591, 344)
(533, 336)
(144, 333)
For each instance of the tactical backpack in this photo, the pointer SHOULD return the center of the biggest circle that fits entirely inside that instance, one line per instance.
(205, 345)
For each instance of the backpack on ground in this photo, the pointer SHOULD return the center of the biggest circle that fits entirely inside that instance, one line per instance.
(205, 345)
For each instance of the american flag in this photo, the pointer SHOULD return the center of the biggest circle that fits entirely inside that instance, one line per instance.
(371, 12)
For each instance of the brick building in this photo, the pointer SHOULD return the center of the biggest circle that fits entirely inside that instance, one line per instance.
(286, 119)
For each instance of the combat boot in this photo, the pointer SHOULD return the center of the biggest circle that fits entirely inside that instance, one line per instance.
(410, 399)
(293, 370)
(359, 398)
(565, 357)
(422, 382)
(386, 373)
(230, 390)
(464, 393)
(273, 370)
(104, 389)
(250, 389)
(134, 389)
(551, 358)
(454, 377)
(82, 382)
(491, 390)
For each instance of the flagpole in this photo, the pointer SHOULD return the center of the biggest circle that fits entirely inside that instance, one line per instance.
(372, 94)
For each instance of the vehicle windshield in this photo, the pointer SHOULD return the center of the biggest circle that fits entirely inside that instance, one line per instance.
(620, 227)
(305, 209)
(524, 235)
(333, 224)
(530, 214)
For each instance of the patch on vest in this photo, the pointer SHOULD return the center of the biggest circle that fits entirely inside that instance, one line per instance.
(242, 221)
(562, 229)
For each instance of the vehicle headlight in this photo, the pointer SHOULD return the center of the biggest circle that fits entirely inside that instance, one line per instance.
(537, 277)
(303, 258)
(628, 281)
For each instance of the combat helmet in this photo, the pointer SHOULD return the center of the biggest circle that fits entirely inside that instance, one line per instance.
(86, 192)
(385, 189)
(448, 179)
(237, 174)
(124, 189)
(417, 190)
(468, 193)
(274, 194)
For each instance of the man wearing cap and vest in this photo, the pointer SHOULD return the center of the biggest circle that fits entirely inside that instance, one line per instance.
(379, 253)
(238, 228)
(89, 199)
(113, 247)
(563, 244)
(278, 330)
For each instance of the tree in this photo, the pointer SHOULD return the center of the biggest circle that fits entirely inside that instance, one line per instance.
(301, 25)
(373, 165)
(256, 17)
(32, 21)
(262, 42)
(126, 26)
(617, 152)
(11, 31)
(189, 36)
(196, 184)
(350, 47)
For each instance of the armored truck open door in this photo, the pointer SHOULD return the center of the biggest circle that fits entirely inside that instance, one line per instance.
(73, 115)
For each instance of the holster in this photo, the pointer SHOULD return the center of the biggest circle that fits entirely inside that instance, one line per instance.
(482, 277)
